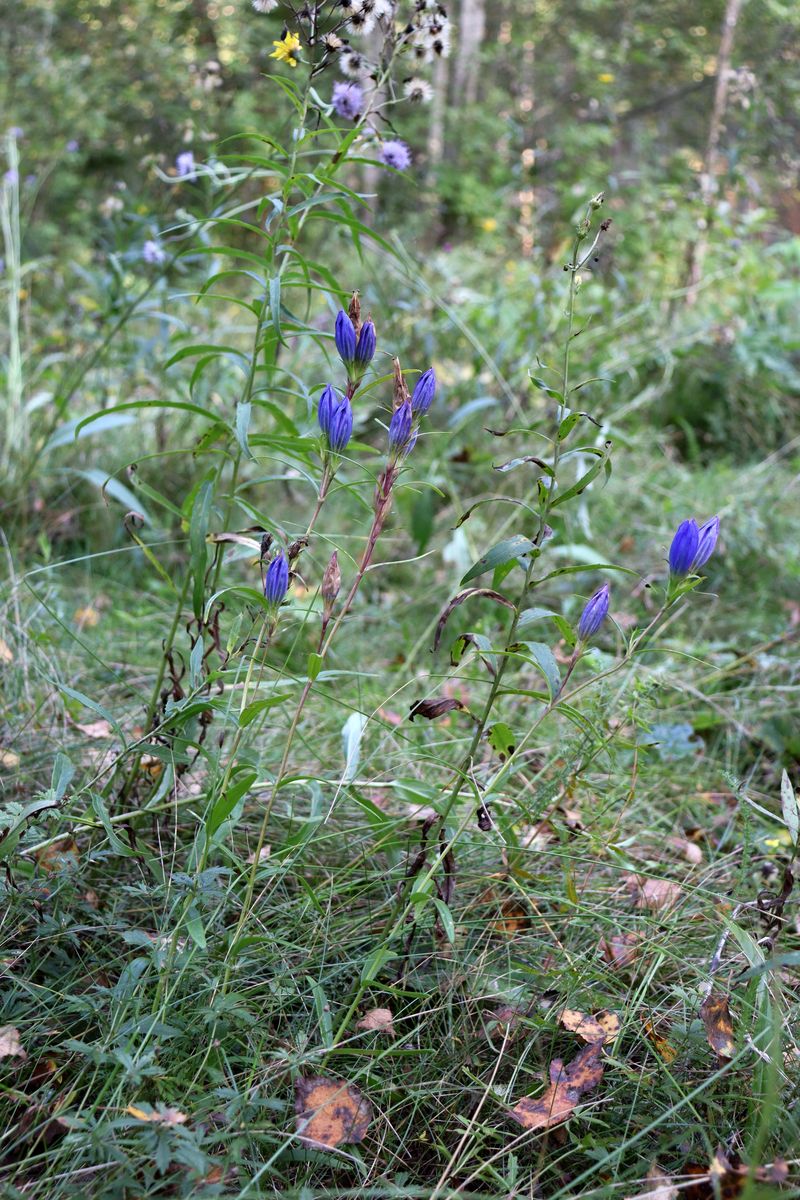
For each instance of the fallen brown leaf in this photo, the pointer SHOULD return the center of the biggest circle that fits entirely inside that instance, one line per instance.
(330, 1112)
(567, 1085)
(621, 949)
(378, 1020)
(10, 1044)
(603, 1027)
(658, 1186)
(96, 729)
(653, 893)
(86, 617)
(9, 759)
(59, 856)
(716, 1017)
(662, 1047)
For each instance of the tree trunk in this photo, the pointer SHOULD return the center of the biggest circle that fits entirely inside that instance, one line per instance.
(708, 179)
(471, 28)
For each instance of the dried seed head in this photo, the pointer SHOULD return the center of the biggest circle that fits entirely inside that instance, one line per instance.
(331, 581)
(266, 542)
(296, 549)
(401, 392)
(354, 312)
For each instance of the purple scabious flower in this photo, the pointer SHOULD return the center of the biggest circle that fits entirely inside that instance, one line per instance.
(152, 252)
(345, 337)
(594, 613)
(347, 100)
(365, 350)
(683, 551)
(184, 163)
(276, 583)
(395, 153)
(424, 392)
(73, 146)
(400, 427)
(706, 541)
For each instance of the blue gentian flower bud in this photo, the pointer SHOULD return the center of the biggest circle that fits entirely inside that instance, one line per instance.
(594, 614)
(400, 427)
(706, 541)
(424, 392)
(367, 341)
(341, 426)
(276, 583)
(683, 550)
(328, 401)
(345, 337)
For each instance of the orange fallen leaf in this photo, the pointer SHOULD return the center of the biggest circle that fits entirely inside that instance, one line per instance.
(716, 1017)
(603, 1027)
(620, 949)
(377, 1020)
(662, 1047)
(163, 1115)
(330, 1112)
(658, 1186)
(86, 617)
(10, 1044)
(567, 1085)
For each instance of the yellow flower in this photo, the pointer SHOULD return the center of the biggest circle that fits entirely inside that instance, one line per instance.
(285, 48)
(606, 77)
(489, 224)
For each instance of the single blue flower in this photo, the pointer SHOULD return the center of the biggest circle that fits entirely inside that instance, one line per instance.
(400, 427)
(341, 426)
(345, 337)
(276, 583)
(367, 341)
(424, 392)
(706, 541)
(395, 153)
(683, 550)
(594, 613)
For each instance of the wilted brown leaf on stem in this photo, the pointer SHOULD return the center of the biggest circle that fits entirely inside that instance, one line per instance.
(567, 1085)
(716, 1017)
(330, 1112)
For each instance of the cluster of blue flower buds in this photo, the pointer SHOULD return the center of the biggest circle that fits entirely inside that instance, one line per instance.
(356, 350)
(335, 416)
(692, 546)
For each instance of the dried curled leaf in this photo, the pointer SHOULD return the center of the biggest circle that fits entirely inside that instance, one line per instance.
(716, 1017)
(10, 1043)
(567, 1085)
(431, 709)
(727, 1178)
(446, 612)
(377, 1020)
(330, 1113)
(603, 1027)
